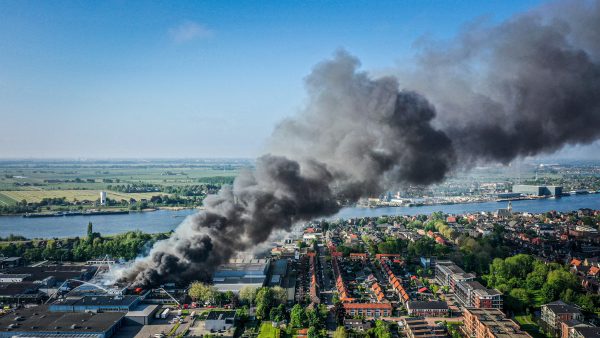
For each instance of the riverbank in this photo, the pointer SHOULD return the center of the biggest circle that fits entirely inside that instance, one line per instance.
(167, 220)
(92, 211)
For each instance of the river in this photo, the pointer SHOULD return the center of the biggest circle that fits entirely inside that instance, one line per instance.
(166, 220)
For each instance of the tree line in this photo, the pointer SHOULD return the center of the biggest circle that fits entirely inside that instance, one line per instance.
(528, 282)
(126, 246)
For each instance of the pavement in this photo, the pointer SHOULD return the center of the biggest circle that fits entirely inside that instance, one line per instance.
(148, 331)
(429, 320)
(198, 330)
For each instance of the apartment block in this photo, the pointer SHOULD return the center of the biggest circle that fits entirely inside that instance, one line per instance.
(473, 294)
(490, 323)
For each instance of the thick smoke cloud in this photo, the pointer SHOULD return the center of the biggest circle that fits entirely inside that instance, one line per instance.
(530, 85)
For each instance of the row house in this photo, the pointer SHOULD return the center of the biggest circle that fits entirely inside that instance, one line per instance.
(427, 308)
(394, 281)
(368, 310)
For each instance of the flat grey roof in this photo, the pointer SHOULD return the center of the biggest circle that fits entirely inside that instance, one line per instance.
(40, 319)
(142, 310)
(98, 300)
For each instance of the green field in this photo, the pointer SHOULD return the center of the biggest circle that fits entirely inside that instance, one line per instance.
(268, 331)
(6, 200)
(530, 326)
(50, 175)
(34, 196)
(33, 180)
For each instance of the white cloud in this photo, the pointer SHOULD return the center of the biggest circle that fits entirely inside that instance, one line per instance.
(188, 31)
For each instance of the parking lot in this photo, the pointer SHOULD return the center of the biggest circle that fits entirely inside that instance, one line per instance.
(157, 326)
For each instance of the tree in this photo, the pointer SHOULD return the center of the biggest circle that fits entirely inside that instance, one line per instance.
(264, 302)
(90, 232)
(556, 282)
(202, 292)
(340, 332)
(279, 295)
(242, 313)
(313, 318)
(248, 294)
(382, 329)
(229, 297)
(277, 314)
(518, 300)
(298, 316)
(391, 246)
(312, 332)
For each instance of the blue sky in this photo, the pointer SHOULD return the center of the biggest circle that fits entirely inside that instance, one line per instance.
(99, 79)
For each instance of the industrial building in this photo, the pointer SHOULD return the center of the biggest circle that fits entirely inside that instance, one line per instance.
(22, 292)
(27, 284)
(537, 190)
(107, 303)
(239, 273)
(39, 322)
(135, 312)
(278, 272)
(10, 262)
(142, 314)
(47, 275)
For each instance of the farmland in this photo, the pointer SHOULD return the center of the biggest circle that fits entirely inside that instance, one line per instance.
(37, 196)
(49, 175)
(79, 181)
(5, 200)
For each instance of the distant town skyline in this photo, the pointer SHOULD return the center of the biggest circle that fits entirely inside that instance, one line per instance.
(191, 80)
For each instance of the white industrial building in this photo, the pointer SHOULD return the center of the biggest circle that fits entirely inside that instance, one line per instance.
(239, 273)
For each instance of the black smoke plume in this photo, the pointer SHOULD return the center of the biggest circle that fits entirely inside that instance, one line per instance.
(530, 85)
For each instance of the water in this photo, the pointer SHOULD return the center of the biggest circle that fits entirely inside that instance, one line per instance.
(567, 203)
(166, 220)
(50, 227)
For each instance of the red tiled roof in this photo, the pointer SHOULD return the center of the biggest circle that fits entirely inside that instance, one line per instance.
(380, 306)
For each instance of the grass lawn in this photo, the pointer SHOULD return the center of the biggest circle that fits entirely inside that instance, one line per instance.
(268, 331)
(529, 325)
(538, 299)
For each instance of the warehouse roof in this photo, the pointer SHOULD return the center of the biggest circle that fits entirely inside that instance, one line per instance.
(142, 310)
(39, 319)
(60, 272)
(98, 301)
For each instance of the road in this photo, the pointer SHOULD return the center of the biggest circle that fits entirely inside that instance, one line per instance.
(324, 271)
